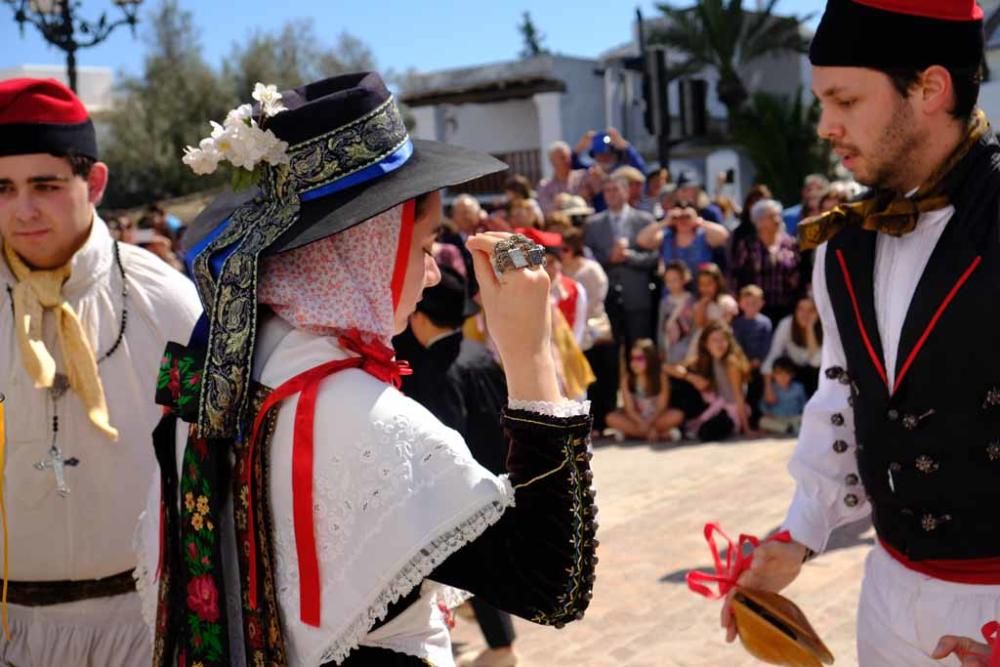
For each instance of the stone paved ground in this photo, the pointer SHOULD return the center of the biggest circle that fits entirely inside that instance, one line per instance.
(654, 502)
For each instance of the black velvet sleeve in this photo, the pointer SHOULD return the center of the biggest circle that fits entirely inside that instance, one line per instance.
(538, 561)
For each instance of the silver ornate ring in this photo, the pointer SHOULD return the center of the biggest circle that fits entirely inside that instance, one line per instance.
(517, 252)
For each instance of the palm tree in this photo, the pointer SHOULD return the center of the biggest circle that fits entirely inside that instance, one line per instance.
(779, 136)
(721, 34)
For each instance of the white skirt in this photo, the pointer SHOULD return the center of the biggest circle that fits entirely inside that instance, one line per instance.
(903, 614)
(105, 631)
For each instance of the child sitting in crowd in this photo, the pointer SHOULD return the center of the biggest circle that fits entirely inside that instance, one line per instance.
(753, 332)
(676, 313)
(709, 391)
(784, 415)
(711, 290)
(644, 391)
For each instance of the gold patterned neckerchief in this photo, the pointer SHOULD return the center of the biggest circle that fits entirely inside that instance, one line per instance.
(35, 292)
(889, 212)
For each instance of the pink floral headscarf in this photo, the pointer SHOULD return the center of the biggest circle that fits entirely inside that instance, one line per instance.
(342, 282)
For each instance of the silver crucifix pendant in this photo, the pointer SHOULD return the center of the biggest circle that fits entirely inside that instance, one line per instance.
(58, 464)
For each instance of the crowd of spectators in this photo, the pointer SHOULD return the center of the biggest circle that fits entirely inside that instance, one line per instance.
(693, 312)
(679, 314)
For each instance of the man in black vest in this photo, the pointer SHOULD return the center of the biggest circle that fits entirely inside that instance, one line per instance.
(906, 423)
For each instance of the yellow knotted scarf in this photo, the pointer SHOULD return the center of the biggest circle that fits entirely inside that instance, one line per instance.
(36, 292)
(892, 213)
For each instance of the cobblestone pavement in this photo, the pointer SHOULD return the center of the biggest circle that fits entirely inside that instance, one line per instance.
(654, 502)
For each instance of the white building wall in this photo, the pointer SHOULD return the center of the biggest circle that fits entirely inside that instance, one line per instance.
(495, 128)
(550, 129)
(723, 160)
(583, 102)
(95, 84)
(424, 126)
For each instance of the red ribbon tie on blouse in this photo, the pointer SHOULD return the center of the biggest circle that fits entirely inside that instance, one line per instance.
(377, 360)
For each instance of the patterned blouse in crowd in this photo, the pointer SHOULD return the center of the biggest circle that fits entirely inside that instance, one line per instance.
(777, 270)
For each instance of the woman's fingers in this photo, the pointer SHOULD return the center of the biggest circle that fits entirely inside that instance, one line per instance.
(482, 253)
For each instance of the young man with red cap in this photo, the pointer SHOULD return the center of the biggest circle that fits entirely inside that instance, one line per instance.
(906, 421)
(82, 326)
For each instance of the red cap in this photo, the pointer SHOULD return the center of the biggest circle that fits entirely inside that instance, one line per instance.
(39, 101)
(44, 116)
(546, 239)
(941, 10)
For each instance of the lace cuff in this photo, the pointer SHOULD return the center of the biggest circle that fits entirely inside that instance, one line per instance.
(560, 410)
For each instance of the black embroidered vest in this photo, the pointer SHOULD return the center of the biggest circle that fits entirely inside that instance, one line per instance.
(928, 449)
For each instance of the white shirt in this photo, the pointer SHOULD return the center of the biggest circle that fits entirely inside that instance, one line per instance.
(88, 534)
(782, 345)
(822, 473)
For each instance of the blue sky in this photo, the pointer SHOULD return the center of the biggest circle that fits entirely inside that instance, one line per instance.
(425, 34)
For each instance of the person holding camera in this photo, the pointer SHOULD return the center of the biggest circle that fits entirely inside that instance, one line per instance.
(684, 235)
(601, 153)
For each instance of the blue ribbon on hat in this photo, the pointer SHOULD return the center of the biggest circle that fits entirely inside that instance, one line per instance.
(386, 165)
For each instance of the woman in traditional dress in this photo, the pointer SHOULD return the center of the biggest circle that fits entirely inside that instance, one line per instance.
(349, 509)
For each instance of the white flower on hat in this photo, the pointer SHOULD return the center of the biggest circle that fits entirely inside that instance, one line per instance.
(269, 98)
(203, 160)
(240, 141)
(240, 115)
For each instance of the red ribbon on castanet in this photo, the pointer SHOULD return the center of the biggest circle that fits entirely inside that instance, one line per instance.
(737, 562)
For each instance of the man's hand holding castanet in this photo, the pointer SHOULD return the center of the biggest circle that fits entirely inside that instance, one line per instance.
(775, 565)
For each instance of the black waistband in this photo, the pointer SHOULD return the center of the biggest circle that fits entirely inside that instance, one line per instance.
(46, 593)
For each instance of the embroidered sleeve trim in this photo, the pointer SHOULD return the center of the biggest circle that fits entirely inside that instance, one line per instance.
(561, 410)
(579, 582)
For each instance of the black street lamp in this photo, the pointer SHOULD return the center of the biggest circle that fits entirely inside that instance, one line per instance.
(59, 25)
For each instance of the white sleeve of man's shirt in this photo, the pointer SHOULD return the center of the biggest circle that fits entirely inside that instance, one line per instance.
(825, 472)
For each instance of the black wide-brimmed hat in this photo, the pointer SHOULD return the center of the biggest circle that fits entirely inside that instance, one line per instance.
(350, 159)
(335, 129)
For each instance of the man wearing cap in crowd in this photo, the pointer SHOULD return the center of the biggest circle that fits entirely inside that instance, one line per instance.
(636, 185)
(81, 333)
(690, 188)
(904, 425)
(601, 153)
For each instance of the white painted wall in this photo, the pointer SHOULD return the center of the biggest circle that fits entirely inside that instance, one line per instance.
(722, 160)
(497, 127)
(424, 123)
(550, 129)
(96, 84)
